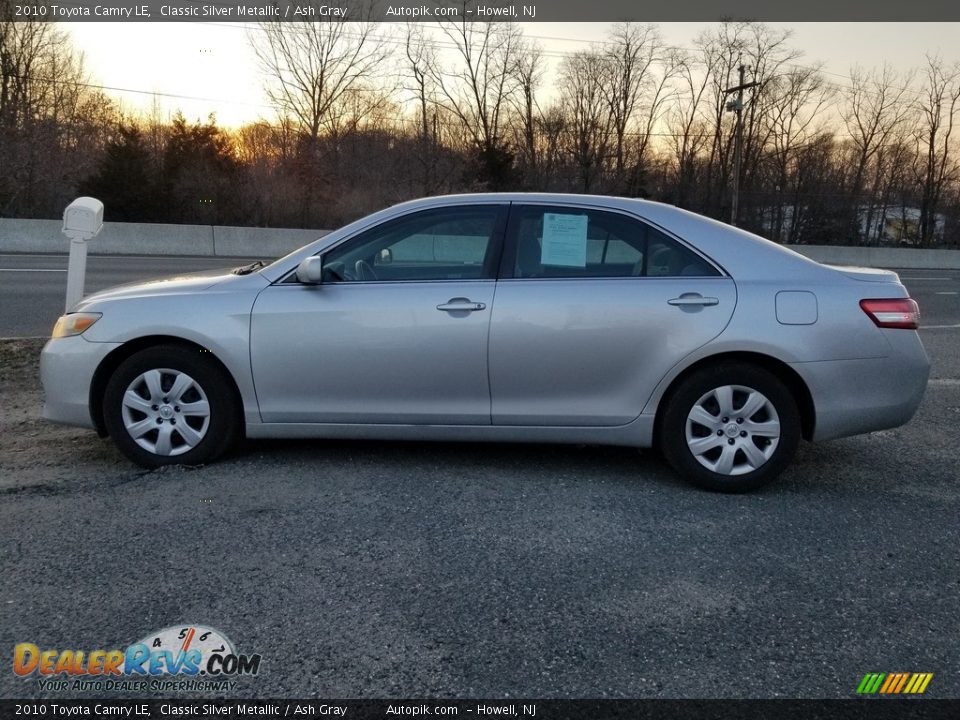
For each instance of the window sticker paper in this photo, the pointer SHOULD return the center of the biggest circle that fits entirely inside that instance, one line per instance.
(564, 240)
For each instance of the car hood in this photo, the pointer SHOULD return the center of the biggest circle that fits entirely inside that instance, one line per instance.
(186, 282)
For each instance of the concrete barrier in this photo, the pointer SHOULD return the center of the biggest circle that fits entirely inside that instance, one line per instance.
(44, 236)
(881, 257)
(32, 236)
(260, 242)
(117, 238)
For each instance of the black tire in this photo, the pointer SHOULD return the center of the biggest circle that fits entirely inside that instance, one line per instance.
(220, 429)
(680, 403)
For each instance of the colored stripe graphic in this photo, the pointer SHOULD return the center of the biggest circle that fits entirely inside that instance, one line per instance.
(892, 679)
(870, 683)
(918, 683)
(900, 684)
(894, 683)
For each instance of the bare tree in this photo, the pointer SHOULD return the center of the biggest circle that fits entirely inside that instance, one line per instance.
(583, 76)
(720, 51)
(314, 70)
(628, 62)
(874, 114)
(815, 175)
(766, 53)
(797, 99)
(551, 130)
(688, 133)
(420, 58)
(529, 69)
(936, 166)
(51, 117)
(27, 49)
(312, 66)
(476, 88)
(661, 92)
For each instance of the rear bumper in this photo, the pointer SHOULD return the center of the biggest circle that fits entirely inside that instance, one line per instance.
(67, 366)
(851, 397)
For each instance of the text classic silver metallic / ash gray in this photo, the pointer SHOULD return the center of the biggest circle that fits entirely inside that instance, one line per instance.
(515, 317)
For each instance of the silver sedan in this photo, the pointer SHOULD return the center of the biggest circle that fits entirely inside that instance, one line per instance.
(531, 318)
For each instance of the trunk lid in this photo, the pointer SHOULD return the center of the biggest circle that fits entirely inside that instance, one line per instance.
(866, 274)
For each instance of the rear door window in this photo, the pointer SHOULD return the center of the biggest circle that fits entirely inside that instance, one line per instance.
(568, 242)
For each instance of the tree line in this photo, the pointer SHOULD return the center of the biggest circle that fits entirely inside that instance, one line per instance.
(368, 114)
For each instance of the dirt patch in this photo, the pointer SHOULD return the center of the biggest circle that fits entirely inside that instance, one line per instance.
(19, 384)
(34, 451)
(18, 355)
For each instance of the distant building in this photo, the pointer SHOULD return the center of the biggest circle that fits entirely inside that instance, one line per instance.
(896, 225)
(879, 225)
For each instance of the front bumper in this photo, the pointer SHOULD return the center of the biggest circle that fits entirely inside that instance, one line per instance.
(67, 366)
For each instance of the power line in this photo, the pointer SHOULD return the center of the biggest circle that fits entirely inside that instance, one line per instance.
(394, 119)
(156, 93)
(612, 43)
(563, 54)
(439, 44)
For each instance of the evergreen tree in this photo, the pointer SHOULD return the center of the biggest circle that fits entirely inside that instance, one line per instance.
(123, 179)
(201, 175)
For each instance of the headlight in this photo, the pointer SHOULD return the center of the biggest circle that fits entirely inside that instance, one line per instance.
(74, 324)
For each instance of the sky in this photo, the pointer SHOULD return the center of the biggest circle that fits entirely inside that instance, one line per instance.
(211, 68)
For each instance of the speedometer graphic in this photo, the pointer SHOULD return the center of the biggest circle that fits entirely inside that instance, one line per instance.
(179, 639)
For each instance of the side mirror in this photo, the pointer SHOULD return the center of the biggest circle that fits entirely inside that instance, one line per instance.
(384, 257)
(310, 270)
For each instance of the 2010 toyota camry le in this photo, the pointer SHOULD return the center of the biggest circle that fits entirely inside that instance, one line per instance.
(503, 317)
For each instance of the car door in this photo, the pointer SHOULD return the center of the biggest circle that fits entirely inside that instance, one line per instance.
(593, 308)
(396, 332)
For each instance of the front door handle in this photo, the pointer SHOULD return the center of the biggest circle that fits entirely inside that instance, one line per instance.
(461, 305)
(688, 299)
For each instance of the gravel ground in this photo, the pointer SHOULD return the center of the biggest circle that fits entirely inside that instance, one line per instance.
(34, 452)
(458, 570)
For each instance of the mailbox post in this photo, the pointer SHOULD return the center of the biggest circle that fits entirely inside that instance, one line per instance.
(82, 220)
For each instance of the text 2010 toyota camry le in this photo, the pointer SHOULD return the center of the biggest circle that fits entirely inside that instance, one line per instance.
(541, 318)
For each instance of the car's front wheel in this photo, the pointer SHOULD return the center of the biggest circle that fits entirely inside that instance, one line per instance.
(730, 428)
(169, 405)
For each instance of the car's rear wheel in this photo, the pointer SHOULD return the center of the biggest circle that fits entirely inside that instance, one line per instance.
(730, 428)
(168, 405)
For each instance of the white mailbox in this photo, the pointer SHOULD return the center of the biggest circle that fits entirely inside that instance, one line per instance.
(83, 218)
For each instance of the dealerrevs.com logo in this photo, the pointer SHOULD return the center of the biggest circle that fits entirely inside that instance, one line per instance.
(184, 657)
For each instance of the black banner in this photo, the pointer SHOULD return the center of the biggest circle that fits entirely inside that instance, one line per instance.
(533, 709)
(476, 10)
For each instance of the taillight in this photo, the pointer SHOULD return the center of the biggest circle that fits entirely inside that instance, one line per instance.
(893, 312)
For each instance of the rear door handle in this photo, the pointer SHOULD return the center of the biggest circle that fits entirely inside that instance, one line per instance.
(693, 299)
(461, 305)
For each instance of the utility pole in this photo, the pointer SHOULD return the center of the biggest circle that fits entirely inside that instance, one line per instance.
(737, 107)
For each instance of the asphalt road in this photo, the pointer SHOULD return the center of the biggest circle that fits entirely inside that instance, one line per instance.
(407, 569)
(32, 287)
